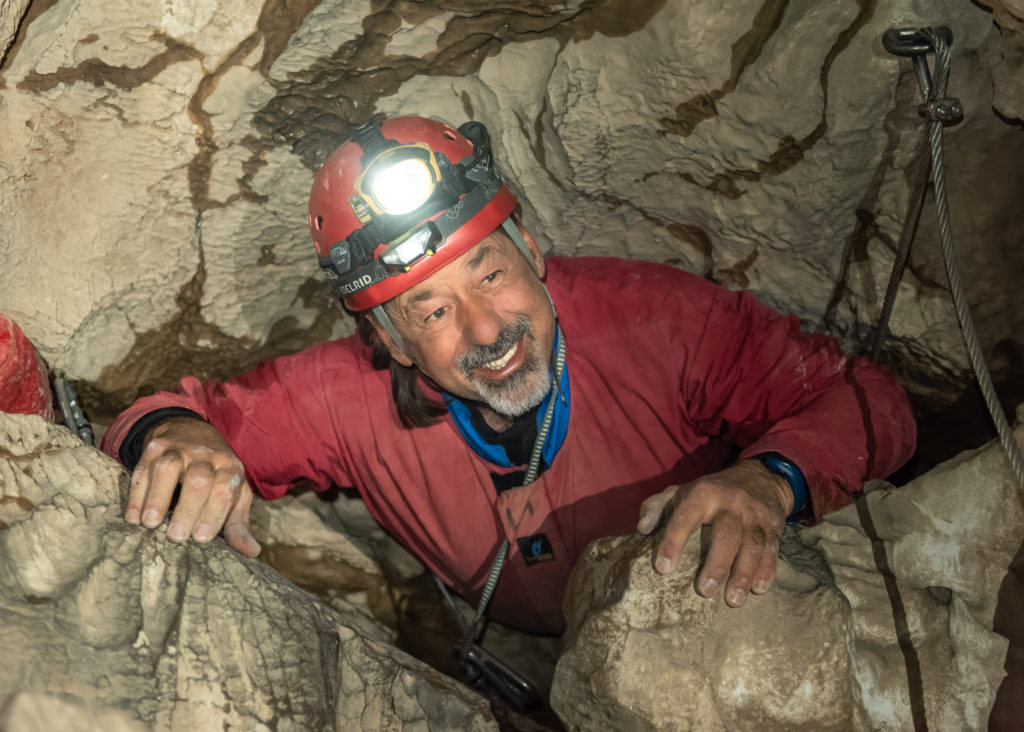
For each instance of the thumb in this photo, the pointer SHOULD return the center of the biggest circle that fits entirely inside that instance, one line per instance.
(652, 509)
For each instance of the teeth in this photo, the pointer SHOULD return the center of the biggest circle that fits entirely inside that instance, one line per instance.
(499, 363)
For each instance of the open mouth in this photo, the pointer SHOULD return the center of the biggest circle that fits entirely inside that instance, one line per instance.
(500, 362)
(504, 365)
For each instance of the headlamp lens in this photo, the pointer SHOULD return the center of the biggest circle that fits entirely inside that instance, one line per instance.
(402, 186)
(400, 256)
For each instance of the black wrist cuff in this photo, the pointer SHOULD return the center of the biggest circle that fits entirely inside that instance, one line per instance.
(131, 448)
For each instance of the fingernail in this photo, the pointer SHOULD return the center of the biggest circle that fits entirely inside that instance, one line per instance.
(176, 532)
(760, 586)
(663, 565)
(203, 532)
(151, 518)
(132, 515)
(709, 587)
(736, 597)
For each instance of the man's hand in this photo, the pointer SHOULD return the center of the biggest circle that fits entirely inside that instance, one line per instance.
(746, 506)
(214, 492)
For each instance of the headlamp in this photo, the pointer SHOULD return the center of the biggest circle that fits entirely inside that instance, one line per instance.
(399, 180)
(400, 255)
(402, 187)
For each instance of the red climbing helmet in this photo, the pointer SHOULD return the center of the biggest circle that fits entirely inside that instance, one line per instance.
(401, 199)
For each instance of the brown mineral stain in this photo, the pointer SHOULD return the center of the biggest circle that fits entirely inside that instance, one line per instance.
(20, 501)
(789, 150)
(685, 232)
(467, 105)
(98, 73)
(188, 345)
(267, 256)
(735, 277)
(315, 109)
(745, 51)
(618, 18)
(277, 23)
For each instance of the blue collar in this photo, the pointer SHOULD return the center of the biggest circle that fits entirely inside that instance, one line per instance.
(496, 453)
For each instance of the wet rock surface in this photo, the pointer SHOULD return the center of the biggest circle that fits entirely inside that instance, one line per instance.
(112, 617)
(881, 618)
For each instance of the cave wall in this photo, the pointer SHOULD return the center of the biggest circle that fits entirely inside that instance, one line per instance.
(155, 160)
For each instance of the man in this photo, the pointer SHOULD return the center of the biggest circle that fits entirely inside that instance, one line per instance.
(480, 409)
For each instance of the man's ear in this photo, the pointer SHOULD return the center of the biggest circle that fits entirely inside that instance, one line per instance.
(396, 353)
(538, 258)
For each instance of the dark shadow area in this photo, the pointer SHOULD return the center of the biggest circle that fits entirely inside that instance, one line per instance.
(1008, 711)
(945, 430)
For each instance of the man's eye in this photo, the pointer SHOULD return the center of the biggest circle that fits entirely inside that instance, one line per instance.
(492, 276)
(436, 315)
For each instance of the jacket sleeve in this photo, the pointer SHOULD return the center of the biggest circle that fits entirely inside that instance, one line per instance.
(280, 419)
(756, 378)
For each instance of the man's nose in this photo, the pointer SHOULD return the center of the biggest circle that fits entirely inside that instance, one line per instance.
(481, 323)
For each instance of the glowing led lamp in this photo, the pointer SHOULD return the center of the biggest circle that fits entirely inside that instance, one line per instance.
(402, 186)
(400, 255)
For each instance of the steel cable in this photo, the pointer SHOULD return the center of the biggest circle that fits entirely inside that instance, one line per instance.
(934, 93)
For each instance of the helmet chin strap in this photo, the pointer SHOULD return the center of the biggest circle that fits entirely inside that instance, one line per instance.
(385, 322)
(517, 238)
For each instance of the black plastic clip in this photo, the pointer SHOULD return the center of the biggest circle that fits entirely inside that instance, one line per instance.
(487, 674)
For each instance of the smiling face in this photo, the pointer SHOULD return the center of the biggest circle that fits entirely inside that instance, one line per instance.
(481, 328)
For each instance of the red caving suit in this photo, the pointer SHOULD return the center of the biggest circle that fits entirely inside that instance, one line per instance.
(671, 378)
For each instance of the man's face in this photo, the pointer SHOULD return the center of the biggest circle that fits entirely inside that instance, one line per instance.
(482, 327)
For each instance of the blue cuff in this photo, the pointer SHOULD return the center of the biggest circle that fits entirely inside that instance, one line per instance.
(779, 465)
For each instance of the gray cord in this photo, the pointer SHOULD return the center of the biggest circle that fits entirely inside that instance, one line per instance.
(470, 631)
(922, 166)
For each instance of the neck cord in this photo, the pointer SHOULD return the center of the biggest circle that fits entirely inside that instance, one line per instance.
(470, 631)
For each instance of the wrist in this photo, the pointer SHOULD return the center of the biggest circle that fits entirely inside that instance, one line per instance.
(794, 478)
(130, 450)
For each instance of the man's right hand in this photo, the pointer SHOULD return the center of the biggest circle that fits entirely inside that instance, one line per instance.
(214, 492)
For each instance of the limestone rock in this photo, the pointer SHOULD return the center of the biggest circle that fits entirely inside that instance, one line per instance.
(1006, 57)
(11, 14)
(881, 618)
(335, 549)
(25, 712)
(646, 652)
(113, 617)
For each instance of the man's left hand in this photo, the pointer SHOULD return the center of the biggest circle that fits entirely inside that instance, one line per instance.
(746, 506)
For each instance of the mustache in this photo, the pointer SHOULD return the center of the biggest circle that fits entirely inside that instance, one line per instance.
(511, 334)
